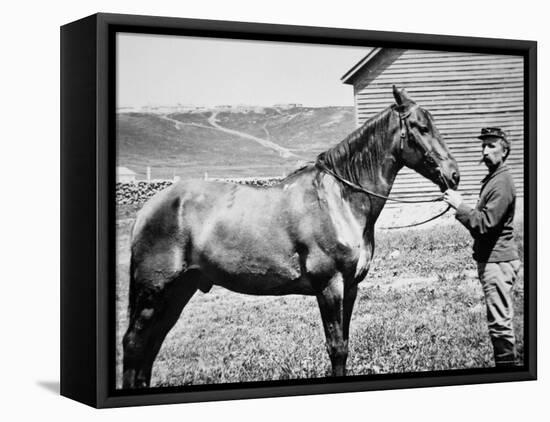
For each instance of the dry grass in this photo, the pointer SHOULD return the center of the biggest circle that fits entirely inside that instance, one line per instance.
(421, 308)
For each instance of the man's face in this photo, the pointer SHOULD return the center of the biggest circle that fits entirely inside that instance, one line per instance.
(493, 151)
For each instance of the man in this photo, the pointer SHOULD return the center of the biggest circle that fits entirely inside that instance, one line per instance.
(490, 224)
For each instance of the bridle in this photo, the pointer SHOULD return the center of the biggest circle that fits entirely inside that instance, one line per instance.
(428, 157)
(429, 153)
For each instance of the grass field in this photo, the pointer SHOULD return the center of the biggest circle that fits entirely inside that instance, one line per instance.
(420, 308)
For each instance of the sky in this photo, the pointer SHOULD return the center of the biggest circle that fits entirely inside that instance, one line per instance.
(169, 70)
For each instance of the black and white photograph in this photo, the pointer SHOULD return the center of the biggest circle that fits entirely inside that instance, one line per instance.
(275, 211)
(293, 211)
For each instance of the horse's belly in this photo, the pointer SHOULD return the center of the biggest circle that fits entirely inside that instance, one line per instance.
(259, 274)
(265, 285)
(250, 250)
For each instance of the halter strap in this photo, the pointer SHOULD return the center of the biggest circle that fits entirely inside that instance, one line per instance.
(403, 127)
(321, 165)
(418, 223)
(428, 155)
(407, 133)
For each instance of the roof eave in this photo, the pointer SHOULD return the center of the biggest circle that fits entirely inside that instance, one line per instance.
(349, 76)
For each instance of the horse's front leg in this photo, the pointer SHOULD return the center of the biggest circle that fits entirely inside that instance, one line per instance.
(350, 293)
(335, 323)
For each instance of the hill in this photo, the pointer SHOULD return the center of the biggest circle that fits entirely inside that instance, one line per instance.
(228, 143)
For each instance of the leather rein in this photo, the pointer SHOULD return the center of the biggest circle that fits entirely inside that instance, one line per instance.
(428, 157)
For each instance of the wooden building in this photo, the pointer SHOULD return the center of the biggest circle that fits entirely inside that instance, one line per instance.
(463, 91)
(125, 175)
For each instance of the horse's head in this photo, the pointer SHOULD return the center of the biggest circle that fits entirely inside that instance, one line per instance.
(418, 144)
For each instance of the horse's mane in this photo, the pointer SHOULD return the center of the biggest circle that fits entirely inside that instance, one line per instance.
(362, 150)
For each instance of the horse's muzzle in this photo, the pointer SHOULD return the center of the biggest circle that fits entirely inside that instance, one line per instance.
(449, 177)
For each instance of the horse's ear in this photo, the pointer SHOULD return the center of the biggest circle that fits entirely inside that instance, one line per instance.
(401, 97)
(397, 95)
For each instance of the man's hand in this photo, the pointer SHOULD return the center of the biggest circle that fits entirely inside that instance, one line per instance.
(453, 198)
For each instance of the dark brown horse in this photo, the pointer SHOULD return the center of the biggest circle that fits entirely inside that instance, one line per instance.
(311, 234)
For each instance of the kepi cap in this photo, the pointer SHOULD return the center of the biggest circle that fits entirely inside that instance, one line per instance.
(492, 132)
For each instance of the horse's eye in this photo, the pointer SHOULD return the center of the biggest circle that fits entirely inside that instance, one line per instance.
(423, 129)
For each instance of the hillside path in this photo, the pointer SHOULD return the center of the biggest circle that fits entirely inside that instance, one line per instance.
(179, 124)
(285, 153)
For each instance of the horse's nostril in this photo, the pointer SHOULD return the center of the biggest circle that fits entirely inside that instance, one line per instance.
(455, 177)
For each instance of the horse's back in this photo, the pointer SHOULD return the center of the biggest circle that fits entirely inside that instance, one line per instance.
(201, 210)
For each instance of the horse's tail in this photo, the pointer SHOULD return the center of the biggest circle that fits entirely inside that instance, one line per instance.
(131, 289)
(132, 281)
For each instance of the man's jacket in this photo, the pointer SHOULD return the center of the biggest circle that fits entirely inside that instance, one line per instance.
(490, 222)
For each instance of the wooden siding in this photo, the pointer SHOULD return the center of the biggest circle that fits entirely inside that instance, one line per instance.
(464, 92)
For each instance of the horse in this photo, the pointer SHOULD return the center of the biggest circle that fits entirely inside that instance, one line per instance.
(310, 234)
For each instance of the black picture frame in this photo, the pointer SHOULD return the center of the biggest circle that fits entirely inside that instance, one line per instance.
(88, 212)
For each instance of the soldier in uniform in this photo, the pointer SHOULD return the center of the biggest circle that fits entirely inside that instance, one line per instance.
(491, 225)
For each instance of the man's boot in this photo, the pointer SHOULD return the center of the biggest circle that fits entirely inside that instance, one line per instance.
(505, 353)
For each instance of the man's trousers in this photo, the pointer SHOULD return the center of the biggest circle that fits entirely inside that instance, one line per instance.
(497, 280)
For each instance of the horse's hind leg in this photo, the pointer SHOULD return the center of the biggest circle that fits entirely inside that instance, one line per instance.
(156, 304)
